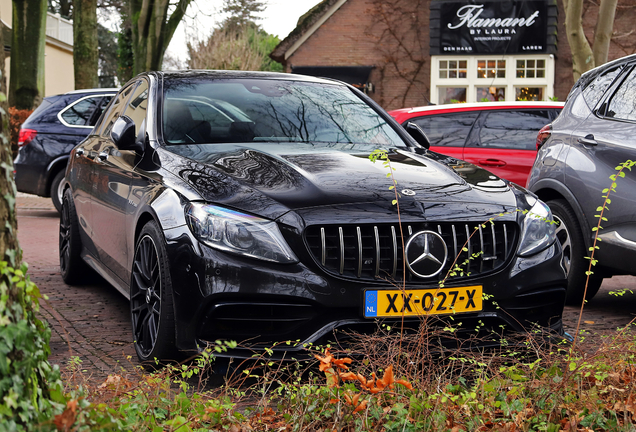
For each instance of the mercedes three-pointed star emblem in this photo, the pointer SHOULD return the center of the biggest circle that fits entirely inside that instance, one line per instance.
(426, 254)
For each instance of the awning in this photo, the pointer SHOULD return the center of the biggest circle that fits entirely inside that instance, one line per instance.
(354, 75)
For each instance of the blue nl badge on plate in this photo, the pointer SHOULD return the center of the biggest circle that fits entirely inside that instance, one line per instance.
(371, 304)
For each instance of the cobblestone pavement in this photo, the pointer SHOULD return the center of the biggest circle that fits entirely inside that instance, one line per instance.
(92, 321)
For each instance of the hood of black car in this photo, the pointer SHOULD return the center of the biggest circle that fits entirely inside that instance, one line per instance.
(272, 179)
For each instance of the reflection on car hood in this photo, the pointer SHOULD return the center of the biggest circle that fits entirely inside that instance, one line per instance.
(271, 179)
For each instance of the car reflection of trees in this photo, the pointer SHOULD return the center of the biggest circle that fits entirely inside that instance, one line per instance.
(299, 116)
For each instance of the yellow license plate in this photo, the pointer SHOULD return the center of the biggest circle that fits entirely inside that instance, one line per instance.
(437, 301)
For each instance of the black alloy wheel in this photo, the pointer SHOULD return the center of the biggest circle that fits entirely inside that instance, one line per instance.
(72, 266)
(569, 234)
(151, 306)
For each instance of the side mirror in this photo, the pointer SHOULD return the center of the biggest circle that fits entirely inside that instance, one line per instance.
(123, 135)
(418, 134)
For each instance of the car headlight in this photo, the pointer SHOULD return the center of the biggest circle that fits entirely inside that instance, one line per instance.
(538, 230)
(239, 233)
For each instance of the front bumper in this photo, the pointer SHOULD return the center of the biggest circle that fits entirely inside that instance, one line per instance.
(219, 296)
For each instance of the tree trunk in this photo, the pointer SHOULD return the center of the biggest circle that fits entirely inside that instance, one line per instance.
(9, 247)
(603, 30)
(85, 53)
(26, 88)
(152, 30)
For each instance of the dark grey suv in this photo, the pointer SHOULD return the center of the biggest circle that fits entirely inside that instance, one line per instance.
(578, 153)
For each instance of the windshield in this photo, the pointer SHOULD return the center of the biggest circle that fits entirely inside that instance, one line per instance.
(200, 111)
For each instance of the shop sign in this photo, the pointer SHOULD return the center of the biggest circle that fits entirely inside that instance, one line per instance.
(493, 27)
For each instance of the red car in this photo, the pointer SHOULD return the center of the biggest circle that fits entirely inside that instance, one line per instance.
(499, 136)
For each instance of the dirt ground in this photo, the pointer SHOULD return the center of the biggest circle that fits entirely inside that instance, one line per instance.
(92, 322)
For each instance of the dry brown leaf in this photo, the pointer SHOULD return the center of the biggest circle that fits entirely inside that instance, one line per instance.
(64, 421)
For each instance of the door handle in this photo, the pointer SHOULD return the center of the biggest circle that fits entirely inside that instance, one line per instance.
(588, 140)
(103, 156)
(492, 162)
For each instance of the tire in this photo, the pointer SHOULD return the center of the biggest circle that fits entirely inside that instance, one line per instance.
(151, 301)
(57, 191)
(569, 234)
(72, 266)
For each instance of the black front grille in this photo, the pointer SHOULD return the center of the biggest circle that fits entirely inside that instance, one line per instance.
(376, 251)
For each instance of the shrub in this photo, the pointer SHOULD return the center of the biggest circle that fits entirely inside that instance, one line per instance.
(29, 386)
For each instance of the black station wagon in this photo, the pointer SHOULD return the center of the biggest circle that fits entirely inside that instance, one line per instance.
(48, 136)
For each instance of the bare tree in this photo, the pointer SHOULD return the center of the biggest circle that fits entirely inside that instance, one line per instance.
(584, 56)
(26, 88)
(153, 25)
(85, 44)
(9, 247)
(235, 48)
(397, 27)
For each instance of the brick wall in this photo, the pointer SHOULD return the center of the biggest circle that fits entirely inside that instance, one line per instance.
(392, 35)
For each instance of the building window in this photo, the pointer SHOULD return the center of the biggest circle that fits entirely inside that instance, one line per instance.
(491, 68)
(452, 69)
(528, 68)
(529, 93)
(491, 94)
(449, 95)
(484, 78)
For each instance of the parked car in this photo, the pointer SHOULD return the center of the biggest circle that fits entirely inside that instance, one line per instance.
(48, 135)
(580, 151)
(243, 206)
(498, 136)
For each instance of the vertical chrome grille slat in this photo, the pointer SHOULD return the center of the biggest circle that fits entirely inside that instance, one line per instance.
(395, 252)
(359, 251)
(494, 241)
(483, 251)
(454, 242)
(505, 241)
(342, 250)
(377, 251)
(323, 245)
(470, 247)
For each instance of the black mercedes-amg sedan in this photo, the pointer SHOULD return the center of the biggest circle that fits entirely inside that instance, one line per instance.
(244, 206)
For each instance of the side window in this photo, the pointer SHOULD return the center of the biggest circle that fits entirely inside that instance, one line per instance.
(448, 130)
(99, 110)
(554, 113)
(512, 129)
(115, 109)
(623, 103)
(81, 112)
(138, 106)
(594, 91)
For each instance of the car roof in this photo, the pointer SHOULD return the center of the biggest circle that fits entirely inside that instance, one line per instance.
(477, 106)
(94, 90)
(232, 74)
